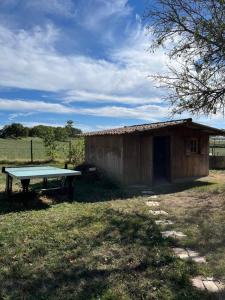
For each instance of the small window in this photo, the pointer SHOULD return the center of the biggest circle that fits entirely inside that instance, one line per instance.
(194, 145)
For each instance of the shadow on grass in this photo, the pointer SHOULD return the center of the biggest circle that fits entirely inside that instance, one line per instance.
(21, 202)
(126, 259)
(181, 186)
(88, 191)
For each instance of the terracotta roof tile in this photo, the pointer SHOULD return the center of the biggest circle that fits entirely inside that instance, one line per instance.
(153, 126)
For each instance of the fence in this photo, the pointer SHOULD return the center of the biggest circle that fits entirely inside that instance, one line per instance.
(217, 153)
(217, 146)
(32, 150)
(217, 162)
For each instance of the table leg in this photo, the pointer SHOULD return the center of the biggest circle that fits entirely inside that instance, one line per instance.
(25, 185)
(70, 180)
(45, 183)
(9, 181)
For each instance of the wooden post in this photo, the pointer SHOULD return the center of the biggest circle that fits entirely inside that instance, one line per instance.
(31, 150)
(70, 150)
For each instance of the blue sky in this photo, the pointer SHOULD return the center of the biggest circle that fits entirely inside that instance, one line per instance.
(85, 60)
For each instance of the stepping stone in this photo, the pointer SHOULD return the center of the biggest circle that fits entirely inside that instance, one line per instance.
(211, 285)
(196, 257)
(174, 234)
(198, 283)
(147, 192)
(164, 222)
(189, 254)
(181, 253)
(152, 203)
(158, 212)
(199, 259)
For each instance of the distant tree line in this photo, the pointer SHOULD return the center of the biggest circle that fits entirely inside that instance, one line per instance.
(17, 130)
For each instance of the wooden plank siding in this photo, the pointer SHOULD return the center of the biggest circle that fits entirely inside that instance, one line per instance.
(129, 157)
(106, 152)
(185, 165)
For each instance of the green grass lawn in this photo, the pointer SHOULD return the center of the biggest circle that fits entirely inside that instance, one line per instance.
(104, 245)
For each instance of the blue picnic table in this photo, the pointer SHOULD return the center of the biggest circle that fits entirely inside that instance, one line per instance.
(25, 174)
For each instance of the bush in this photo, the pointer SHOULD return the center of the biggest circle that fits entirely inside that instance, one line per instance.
(76, 152)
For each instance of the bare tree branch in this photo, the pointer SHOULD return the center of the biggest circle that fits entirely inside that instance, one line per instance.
(193, 31)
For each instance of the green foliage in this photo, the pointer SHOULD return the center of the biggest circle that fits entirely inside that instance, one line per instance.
(60, 133)
(14, 130)
(71, 131)
(50, 143)
(76, 152)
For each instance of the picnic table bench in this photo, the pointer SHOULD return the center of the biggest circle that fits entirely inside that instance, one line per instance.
(26, 173)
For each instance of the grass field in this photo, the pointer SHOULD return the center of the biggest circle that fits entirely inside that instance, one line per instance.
(106, 246)
(20, 150)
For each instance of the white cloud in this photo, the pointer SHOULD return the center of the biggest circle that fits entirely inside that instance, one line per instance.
(73, 96)
(34, 106)
(150, 113)
(29, 60)
(143, 112)
(18, 115)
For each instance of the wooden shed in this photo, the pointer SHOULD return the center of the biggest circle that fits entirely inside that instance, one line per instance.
(150, 153)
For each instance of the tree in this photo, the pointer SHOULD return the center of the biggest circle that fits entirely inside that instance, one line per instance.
(193, 32)
(50, 143)
(71, 130)
(14, 130)
(61, 134)
(69, 127)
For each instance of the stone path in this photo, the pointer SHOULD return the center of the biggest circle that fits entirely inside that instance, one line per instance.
(173, 234)
(189, 254)
(164, 222)
(208, 284)
(152, 203)
(158, 212)
(203, 283)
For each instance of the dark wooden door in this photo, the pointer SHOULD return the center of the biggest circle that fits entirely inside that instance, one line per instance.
(161, 158)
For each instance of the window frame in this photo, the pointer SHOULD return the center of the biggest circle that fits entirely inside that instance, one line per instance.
(194, 145)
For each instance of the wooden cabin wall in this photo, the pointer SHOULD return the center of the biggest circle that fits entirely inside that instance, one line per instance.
(185, 165)
(146, 163)
(137, 159)
(106, 152)
(131, 156)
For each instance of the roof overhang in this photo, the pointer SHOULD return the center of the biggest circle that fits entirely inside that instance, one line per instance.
(152, 127)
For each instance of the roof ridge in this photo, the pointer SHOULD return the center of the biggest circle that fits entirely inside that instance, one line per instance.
(154, 123)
